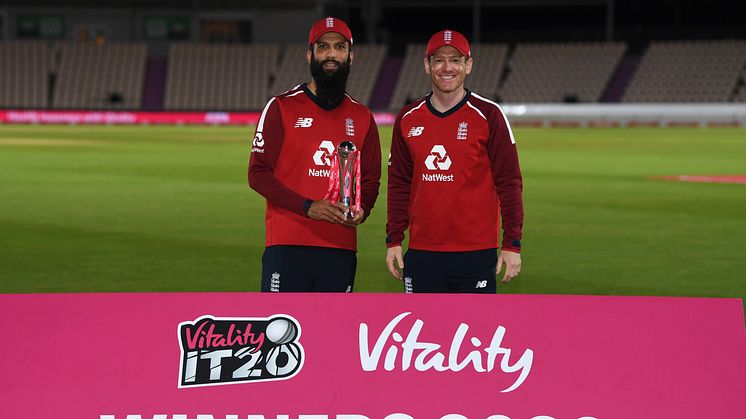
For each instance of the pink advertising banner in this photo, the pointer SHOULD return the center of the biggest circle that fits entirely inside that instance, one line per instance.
(357, 356)
(143, 118)
(127, 118)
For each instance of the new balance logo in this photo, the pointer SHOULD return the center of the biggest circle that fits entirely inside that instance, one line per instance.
(438, 159)
(481, 284)
(303, 122)
(415, 132)
(321, 156)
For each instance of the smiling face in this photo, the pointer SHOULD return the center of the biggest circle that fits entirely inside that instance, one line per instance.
(448, 69)
(329, 60)
(330, 51)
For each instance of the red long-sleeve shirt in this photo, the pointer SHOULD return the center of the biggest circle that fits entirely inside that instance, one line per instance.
(290, 162)
(451, 175)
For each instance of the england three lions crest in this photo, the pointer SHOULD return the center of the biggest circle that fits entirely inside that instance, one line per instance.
(349, 127)
(463, 131)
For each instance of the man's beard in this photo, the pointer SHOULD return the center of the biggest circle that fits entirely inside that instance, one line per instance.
(330, 86)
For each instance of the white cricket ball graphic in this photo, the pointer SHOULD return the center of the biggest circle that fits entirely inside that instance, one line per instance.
(281, 331)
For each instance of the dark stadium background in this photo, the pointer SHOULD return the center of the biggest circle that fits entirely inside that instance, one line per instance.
(397, 23)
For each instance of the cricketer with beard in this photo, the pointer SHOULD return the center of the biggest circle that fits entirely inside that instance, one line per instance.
(310, 244)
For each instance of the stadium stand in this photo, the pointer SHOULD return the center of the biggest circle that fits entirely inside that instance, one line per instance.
(413, 83)
(24, 74)
(740, 95)
(560, 72)
(367, 66)
(688, 71)
(219, 77)
(99, 77)
(293, 69)
(489, 65)
(73, 75)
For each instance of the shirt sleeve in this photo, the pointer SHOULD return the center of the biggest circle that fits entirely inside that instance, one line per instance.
(265, 150)
(399, 188)
(506, 174)
(370, 166)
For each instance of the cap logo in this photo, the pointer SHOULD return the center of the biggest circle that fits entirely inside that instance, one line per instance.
(447, 36)
(330, 22)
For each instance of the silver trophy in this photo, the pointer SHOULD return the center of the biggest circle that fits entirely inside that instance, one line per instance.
(347, 168)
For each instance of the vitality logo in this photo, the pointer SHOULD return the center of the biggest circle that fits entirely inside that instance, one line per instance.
(218, 350)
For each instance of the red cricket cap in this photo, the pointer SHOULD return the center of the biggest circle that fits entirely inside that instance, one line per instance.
(329, 24)
(450, 38)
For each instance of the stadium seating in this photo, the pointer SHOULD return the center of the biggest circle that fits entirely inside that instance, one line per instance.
(24, 74)
(293, 69)
(98, 77)
(740, 95)
(489, 66)
(560, 72)
(366, 68)
(688, 71)
(241, 77)
(219, 77)
(413, 83)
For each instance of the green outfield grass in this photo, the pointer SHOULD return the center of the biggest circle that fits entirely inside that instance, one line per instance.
(168, 209)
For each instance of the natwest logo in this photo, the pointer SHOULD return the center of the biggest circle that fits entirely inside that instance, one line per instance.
(322, 155)
(437, 177)
(257, 146)
(438, 159)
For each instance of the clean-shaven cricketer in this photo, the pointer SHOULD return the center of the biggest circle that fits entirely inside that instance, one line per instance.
(453, 171)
